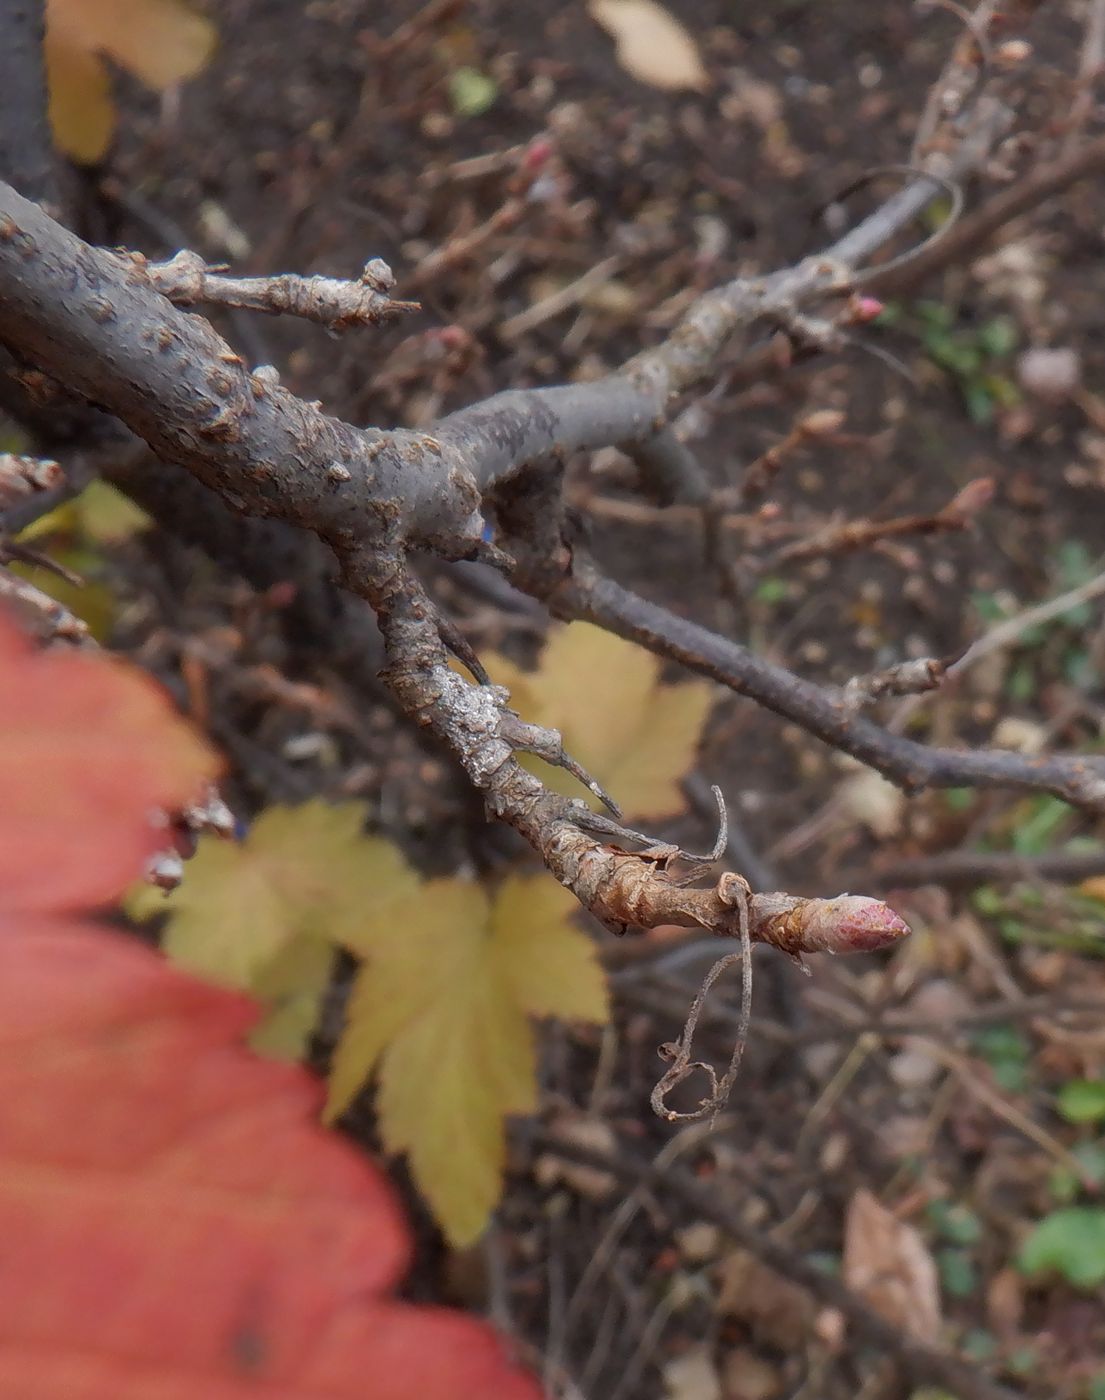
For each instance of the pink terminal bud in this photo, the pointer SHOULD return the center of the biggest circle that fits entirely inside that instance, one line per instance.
(863, 309)
(452, 337)
(850, 923)
(281, 594)
(537, 153)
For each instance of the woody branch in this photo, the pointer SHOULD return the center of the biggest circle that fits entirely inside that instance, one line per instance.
(84, 318)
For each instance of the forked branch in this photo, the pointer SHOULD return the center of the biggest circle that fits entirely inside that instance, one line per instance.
(102, 324)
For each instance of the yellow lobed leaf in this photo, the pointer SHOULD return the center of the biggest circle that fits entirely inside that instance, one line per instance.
(440, 1101)
(439, 1009)
(82, 114)
(97, 515)
(414, 961)
(160, 41)
(292, 987)
(105, 516)
(597, 687)
(652, 46)
(228, 918)
(635, 735)
(646, 776)
(303, 875)
(552, 967)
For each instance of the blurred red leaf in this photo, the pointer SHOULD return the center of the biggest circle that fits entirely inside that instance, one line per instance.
(89, 749)
(174, 1223)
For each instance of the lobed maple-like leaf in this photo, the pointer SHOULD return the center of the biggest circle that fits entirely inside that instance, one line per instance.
(98, 515)
(441, 1010)
(80, 535)
(174, 1224)
(161, 42)
(266, 914)
(603, 694)
(89, 749)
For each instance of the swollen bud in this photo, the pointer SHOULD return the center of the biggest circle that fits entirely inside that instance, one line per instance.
(862, 309)
(850, 923)
(537, 154)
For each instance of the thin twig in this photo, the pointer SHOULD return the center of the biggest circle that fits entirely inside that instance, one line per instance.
(961, 75)
(952, 188)
(687, 1140)
(334, 302)
(845, 537)
(742, 854)
(964, 869)
(974, 230)
(22, 476)
(1089, 71)
(905, 678)
(563, 299)
(48, 619)
(1076, 778)
(1008, 1112)
(1006, 633)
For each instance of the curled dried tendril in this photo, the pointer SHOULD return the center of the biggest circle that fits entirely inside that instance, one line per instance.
(678, 1052)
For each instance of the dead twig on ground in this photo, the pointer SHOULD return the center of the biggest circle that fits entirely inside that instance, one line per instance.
(847, 536)
(919, 1361)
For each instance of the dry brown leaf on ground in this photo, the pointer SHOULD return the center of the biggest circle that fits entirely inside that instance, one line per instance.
(747, 1376)
(652, 46)
(888, 1263)
(773, 1309)
(593, 1135)
(161, 42)
(872, 800)
(692, 1376)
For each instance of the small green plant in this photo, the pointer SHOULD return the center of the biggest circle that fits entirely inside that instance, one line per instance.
(958, 1274)
(977, 358)
(1057, 645)
(471, 92)
(1066, 1185)
(1083, 1101)
(956, 1223)
(1070, 920)
(1006, 1050)
(1068, 1242)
